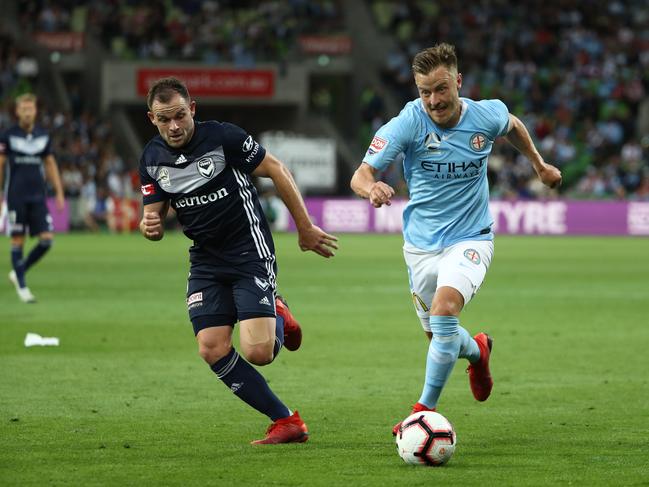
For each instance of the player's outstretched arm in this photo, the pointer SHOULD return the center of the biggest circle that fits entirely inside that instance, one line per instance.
(310, 236)
(152, 223)
(519, 137)
(366, 186)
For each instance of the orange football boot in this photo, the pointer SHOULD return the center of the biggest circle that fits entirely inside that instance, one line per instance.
(285, 430)
(479, 375)
(418, 407)
(292, 330)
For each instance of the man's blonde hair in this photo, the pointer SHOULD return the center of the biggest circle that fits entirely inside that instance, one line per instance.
(26, 97)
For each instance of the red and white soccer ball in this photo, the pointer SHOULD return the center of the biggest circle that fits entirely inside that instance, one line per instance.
(426, 438)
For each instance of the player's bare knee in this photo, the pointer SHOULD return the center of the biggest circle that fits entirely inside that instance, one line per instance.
(446, 305)
(447, 302)
(211, 352)
(261, 354)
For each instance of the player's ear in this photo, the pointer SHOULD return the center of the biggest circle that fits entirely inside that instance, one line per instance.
(192, 107)
(459, 81)
(151, 117)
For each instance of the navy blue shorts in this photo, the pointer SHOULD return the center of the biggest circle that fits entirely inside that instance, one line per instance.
(220, 295)
(29, 214)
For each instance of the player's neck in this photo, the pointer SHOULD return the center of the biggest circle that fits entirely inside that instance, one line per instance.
(28, 128)
(457, 118)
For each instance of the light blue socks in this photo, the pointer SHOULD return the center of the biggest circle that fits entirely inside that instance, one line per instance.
(468, 347)
(449, 342)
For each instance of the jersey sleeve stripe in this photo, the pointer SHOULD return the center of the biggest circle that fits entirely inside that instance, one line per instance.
(246, 196)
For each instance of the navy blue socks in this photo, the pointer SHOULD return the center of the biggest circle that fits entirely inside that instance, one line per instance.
(279, 335)
(18, 264)
(21, 266)
(244, 380)
(37, 252)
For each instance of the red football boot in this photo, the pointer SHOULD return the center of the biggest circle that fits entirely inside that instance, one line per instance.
(479, 375)
(285, 430)
(292, 330)
(418, 407)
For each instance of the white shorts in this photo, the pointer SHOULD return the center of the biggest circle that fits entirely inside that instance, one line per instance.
(462, 266)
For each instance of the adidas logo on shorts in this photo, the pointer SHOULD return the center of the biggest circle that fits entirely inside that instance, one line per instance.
(265, 301)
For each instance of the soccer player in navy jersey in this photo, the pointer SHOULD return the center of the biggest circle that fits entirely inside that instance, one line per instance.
(27, 147)
(202, 170)
(448, 242)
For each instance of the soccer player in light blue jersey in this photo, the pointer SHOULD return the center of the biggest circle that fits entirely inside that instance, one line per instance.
(448, 244)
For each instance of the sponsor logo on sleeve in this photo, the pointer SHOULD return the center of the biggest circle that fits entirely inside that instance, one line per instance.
(248, 144)
(147, 189)
(377, 145)
(254, 149)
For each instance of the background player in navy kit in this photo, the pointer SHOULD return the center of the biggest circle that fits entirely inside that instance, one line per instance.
(202, 170)
(27, 147)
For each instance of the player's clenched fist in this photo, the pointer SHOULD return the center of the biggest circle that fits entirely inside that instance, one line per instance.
(550, 175)
(380, 194)
(151, 225)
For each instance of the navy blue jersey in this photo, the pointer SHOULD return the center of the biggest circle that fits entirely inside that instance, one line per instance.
(207, 183)
(26, 153)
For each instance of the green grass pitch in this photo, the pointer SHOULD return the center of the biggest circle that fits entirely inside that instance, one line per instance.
(125, 399)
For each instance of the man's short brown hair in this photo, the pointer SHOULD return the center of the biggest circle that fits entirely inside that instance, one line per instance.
(164, 88)
(439, 55)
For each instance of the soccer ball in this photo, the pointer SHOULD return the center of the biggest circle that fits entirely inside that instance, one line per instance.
(426, 438)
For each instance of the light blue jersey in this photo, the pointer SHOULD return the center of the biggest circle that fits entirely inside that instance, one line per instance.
(445, 169)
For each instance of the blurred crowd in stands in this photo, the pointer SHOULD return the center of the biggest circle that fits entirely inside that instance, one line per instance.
(95, 178)
(576, 72)
(241, 32)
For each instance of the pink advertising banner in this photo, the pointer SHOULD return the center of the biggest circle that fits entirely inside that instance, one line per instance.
(555, 217)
